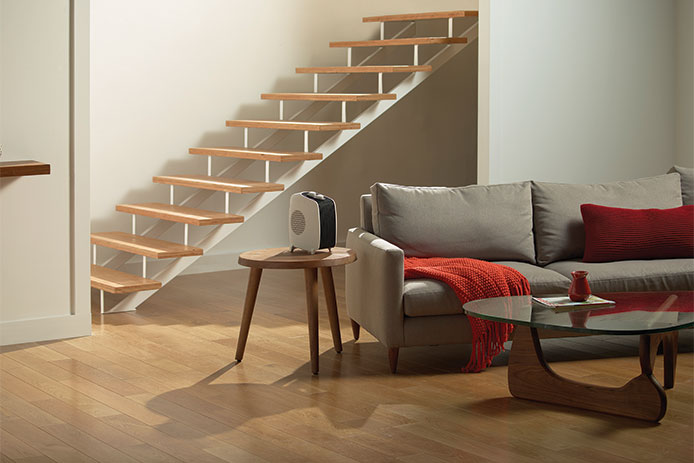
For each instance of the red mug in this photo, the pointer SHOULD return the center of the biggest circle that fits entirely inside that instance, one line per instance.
(579, 290)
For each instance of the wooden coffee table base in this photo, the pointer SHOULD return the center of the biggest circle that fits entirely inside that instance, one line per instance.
(530, 377)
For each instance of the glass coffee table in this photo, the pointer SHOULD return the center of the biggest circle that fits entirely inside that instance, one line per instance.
(655, 316)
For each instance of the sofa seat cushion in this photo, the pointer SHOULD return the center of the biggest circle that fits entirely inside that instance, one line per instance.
(633, 275)
(542, 280)
(424, 297)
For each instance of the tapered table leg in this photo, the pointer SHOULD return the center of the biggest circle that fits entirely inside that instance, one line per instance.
(669, 341)
(670, 358)
(326, 274)
(249, 305)
(311, 277)
(530, 377)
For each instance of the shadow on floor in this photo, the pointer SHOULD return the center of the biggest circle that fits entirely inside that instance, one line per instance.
(351, 387)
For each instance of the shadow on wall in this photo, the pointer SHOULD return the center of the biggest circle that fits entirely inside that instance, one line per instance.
(427, 138)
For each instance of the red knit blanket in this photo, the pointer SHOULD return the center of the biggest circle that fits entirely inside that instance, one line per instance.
(473, 279)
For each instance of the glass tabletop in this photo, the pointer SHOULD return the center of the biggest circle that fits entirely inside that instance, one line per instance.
(633, 313)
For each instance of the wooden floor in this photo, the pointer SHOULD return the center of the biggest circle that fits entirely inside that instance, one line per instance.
(160, 385)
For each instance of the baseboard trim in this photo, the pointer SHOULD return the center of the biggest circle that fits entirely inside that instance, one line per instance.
(45, 329)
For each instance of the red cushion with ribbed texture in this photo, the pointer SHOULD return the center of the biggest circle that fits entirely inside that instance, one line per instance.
(614, 233)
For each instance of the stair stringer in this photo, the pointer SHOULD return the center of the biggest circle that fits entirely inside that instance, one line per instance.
(329, 147)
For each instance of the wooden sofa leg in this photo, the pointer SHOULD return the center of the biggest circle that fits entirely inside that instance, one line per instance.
(355, 329)
(393, 358)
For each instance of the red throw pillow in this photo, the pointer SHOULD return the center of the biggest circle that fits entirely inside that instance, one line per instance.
(613, 233)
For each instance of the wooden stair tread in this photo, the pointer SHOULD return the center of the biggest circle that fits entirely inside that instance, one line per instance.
(117, 282)
(232, 185)
(399, 42)
(258, 154)
(144, 246)
(295, 125)
(329, 96)
(364, 69)
(420, 16)
(179, 214)
(23, 168)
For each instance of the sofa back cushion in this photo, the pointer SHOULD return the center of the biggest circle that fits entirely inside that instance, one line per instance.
(482, 222)
(687, 183)
(559, 232)
(365, 213)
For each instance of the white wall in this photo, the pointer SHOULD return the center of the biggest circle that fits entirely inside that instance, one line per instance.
(581, 90)
(684, 82)
(166, 75)
(44, 253)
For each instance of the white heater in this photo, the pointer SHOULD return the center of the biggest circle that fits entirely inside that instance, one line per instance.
(312, 221)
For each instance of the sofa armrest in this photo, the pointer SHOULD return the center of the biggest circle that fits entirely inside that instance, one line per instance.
(374, 287)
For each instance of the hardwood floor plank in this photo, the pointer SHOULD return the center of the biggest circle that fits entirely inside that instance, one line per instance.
(233, 454)
(186, 447)
(96, 376)
(39, 459)
(74, 352)
(26, 410)
(87, 423)
(15, 448)
(50, 446)
(115, 401)
(60, 391)
(87, 444)
(148, 454)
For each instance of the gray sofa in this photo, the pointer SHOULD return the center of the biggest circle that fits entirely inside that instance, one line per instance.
(533, 227)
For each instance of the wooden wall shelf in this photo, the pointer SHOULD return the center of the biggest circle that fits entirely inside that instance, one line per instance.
(23, 168)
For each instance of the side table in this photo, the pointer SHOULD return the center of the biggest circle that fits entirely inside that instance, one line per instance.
(282, 258)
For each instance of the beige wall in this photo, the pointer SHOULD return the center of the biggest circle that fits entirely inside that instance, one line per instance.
(582, 91)
(684, 82)
(182, 70)
(44, 254)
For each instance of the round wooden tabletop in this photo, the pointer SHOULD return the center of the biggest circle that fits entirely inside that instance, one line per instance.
(282, 258)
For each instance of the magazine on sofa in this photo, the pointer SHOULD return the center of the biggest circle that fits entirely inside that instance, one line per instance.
(565, 304)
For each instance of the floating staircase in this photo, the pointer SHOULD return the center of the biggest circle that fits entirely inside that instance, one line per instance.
(105, 277)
